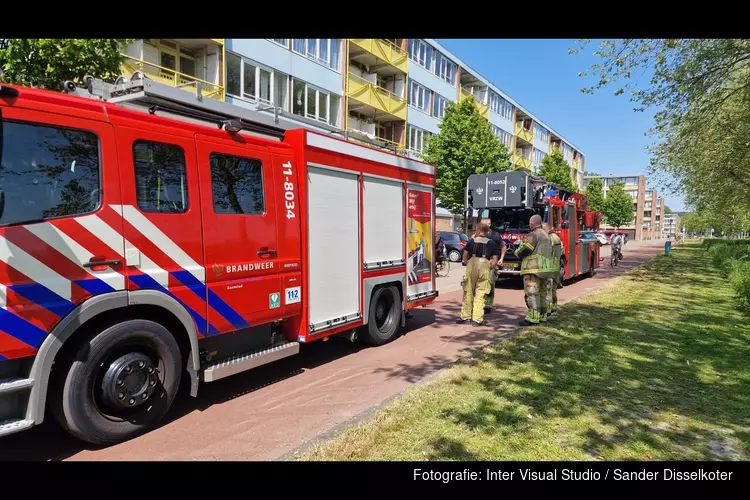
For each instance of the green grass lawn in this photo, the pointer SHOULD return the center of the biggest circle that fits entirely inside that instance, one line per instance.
(653, 366)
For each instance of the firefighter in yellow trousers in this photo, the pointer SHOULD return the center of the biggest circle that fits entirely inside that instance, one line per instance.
(554, 283)
(537, 267)
(480, 257)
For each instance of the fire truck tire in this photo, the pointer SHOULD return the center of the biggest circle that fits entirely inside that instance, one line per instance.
(118, 384)
(592, 270)
(385, 316)
(562, 269)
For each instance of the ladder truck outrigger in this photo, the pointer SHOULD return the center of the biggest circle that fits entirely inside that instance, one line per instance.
(509, 199)
(149, 235)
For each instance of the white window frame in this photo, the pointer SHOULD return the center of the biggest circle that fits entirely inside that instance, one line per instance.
(277, 42)
(318, 91)
(326, 59)
(537, 153)
(505, 137)
(439, 100)
(541, 133)
(427, 91)
(419, 136)
(419, 49)
(442, 63)
(258, 67)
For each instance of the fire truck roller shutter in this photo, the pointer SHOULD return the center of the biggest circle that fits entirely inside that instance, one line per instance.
(383, 205)
(89, 310)
(334, 270)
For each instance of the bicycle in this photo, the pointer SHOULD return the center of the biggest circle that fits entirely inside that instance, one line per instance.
(615, 256)
(442, 265)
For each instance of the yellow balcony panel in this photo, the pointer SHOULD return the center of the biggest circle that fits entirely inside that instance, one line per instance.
(375, 97)
(363, 138)
(171, 77)
(524, 134)
(484, 109)
(521, 162)
(217, 41)
(383, 51)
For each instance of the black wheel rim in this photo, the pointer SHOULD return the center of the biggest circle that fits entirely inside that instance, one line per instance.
(383, 308)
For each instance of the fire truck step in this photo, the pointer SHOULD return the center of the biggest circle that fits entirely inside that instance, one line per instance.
(8, 385)
(13, 426)
(244, 362)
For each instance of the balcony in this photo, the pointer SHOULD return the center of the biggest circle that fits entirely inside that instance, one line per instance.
(372, 98)
(575, 163)
(484, 109)
(381, 56)
(521, 162)
(524, 134)
(385, 144)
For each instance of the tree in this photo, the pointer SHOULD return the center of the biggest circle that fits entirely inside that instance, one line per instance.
(556, 170)
(701, 89)
(618, 206)
(595, 194)
(667, 210)
(47, 63)
(464, 146)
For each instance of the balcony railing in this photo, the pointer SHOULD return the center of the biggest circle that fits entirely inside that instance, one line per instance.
(172, 77)
(484, 109)
(521, 162)
(377, 97)
(359, 136)
(524, 134)
(385, 51)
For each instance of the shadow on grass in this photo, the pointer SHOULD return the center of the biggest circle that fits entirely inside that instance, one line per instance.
(668, 374)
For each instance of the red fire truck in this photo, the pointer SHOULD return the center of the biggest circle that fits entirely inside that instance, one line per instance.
(509, 199)
(147, 234)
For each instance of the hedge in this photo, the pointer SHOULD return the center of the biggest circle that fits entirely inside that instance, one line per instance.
(732, 258)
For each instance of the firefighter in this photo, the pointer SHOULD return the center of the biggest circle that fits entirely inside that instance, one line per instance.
(537, 266)
(554, 283)
(480, 256)
(494, 236)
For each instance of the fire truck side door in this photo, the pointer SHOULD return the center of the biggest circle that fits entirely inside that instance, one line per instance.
(238, 202)
(162, 217)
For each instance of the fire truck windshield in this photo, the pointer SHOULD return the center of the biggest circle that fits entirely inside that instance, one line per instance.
(513, 220)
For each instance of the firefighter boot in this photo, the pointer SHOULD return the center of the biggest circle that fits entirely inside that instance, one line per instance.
(533, 302)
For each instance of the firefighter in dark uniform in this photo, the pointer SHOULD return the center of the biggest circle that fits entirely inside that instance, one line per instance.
(480, 256)
(494, 235)
(537, 266)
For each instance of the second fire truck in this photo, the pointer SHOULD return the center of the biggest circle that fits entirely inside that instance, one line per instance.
(509, 199)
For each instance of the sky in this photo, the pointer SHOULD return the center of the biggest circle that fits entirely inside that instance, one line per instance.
(540, 75)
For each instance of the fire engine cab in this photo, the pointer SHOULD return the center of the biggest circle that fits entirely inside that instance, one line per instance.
(509, 199)
(148, 234)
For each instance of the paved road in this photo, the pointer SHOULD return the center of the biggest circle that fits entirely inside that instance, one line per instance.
(268, 412)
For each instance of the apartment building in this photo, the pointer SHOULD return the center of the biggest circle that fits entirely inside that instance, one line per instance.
(672, 225)
(647, 206)
(390, 93)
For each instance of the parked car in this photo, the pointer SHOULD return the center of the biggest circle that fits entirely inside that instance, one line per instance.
(454, 244)
(590, 237)
(602, 238)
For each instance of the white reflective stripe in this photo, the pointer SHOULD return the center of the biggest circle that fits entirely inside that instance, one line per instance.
(24, 263)
(351, 149)
(70, 248)
(149, 267)
(104, 232)
(161, 240)
(3, 297)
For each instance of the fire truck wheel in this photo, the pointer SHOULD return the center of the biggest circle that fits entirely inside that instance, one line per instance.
(385, 316)
(454, 255)
(592, 270)
(562, 269)
(118, 384)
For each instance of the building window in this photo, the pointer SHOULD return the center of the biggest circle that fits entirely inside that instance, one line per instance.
(176, 57)
(237, 185)
(538, 156)
(505, 137)
(314, 103)
(541, 134)
(419, 96)
(420, 53)
(501, 106)
(160, 177)
(281, 41)
(323, 50)
(248, 80)
(48, 172)
(444, 68)
(438, 106)
(417, 139)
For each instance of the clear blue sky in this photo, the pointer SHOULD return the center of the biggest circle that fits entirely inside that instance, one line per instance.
(541, 76)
